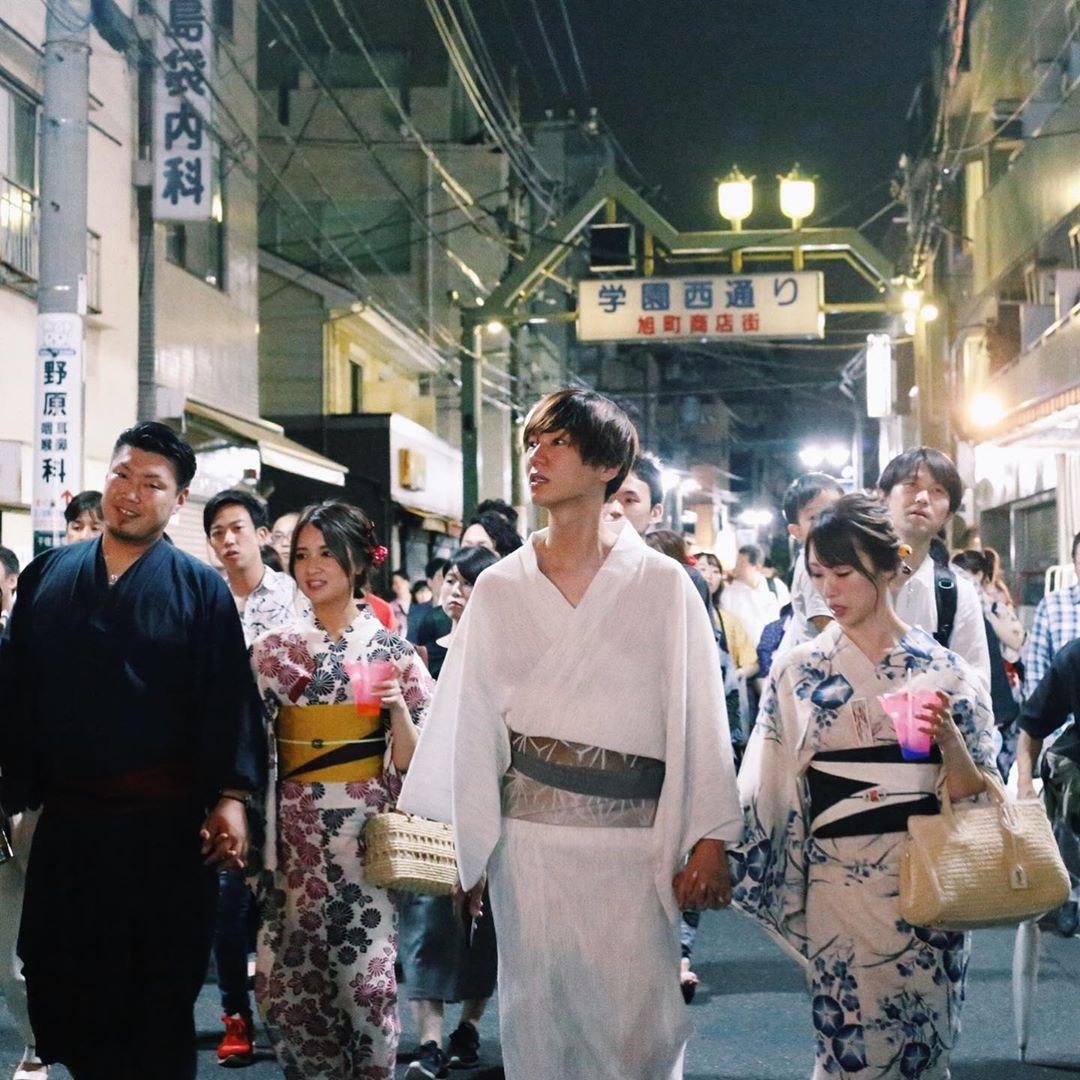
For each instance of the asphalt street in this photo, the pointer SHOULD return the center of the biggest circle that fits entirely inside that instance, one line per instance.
(752, 1015)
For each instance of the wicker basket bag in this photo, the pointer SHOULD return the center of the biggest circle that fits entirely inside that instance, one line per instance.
(981, 865)
(410, 853)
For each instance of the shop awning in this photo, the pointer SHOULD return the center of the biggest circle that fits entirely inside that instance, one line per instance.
(207, 425)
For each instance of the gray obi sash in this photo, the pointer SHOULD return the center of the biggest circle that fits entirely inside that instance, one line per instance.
(557, 782)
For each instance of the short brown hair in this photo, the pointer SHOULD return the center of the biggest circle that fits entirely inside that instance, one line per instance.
(601, 432)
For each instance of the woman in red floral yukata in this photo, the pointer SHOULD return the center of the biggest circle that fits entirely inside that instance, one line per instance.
(345, 700)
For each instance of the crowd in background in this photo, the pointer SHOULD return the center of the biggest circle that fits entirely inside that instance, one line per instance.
(315, 604)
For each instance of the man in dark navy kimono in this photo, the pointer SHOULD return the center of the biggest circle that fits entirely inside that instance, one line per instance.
(132, 717)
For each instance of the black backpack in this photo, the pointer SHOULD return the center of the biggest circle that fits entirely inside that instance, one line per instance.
(1005, 707)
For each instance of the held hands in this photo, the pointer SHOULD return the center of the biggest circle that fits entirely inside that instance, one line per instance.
(704, 882)
(225, 836)
(471, 901)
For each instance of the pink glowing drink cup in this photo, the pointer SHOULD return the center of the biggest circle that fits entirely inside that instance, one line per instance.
(365, 676)
(903, 708)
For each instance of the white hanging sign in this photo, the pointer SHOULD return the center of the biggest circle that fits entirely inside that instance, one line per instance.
(58, 424)
(183, 152)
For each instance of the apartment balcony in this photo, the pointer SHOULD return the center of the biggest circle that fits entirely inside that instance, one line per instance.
(1038, 192)
(20, 246)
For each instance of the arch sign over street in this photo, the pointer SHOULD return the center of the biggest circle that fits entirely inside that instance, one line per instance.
(787, 304)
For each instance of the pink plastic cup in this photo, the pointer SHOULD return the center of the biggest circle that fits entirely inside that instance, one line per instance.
(903, 708)
(365, 675)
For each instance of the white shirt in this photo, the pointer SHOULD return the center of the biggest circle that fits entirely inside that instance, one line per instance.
(806, 604)
(274, 602)
(916, 604)
(755, 607)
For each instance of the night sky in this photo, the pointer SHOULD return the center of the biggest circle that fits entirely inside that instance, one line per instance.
(691, 86)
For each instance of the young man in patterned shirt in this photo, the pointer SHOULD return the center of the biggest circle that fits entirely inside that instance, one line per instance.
(236, 525)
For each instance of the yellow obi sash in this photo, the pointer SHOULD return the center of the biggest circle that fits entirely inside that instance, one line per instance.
(331, 744)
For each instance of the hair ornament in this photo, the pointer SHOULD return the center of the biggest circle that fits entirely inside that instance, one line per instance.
(378, 555)
(903, 551)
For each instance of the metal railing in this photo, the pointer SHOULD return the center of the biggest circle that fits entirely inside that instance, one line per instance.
(19, 240)
(18, 231)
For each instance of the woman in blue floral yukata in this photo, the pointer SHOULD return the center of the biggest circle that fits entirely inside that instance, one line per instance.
(826, 795)
(327, 943)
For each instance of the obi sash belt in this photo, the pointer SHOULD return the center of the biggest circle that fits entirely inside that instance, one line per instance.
(869, 790)
(330, 744)
(557, 782)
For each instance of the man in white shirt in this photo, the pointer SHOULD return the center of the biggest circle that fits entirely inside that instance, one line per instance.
(235, 523)
(922, 490)
(753, 598)
(806, 499)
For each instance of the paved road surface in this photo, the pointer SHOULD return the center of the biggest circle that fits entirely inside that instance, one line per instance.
(752, 1017)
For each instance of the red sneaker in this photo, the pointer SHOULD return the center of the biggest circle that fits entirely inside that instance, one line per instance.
(236, 1048)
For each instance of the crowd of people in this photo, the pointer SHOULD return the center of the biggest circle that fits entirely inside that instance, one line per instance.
(610, 719)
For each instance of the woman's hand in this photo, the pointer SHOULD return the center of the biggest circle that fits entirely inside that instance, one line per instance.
(224, 836)
(704, 882)
(937, 721)
(962, 776)
(392, 697)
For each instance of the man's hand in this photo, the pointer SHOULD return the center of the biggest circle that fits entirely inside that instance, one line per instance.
(472, 901)
(704, 882)
(225, 836)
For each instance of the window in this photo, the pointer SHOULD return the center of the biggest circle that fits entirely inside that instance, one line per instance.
(199, 246)
(18, 139)
(372, 234)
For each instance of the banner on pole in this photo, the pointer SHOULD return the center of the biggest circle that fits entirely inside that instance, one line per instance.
(783, 305)
(183, 114)
(58, 424)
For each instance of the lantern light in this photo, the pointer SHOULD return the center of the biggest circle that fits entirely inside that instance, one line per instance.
(797, 196)
(735, 197)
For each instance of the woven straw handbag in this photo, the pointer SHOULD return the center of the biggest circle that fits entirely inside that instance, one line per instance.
(410, 853)
(981, 864)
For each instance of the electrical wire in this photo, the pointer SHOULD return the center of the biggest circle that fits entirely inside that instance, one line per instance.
(574, 49)
(281, 20)
(550, 51)
(527, 56)
(360, 279)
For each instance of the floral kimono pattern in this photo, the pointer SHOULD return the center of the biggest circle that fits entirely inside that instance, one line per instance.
(886, 996)
(324, 978)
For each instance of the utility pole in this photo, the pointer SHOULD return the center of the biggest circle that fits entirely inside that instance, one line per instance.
(58, 383)
(472, 374)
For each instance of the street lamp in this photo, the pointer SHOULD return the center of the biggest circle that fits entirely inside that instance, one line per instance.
(735, 197)
(797, 193)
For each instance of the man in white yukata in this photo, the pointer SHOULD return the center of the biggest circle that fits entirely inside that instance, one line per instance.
(581, 711)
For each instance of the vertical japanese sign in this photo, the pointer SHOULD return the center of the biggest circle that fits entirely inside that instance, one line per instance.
(58, 421)
(785, 305)
(183, 151)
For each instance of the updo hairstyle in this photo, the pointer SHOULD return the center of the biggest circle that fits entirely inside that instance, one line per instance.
(349, 535)
(856, 525)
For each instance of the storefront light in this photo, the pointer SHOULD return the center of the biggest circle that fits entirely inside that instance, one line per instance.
(813, 457)
(985, 409)
(929, 311)
(837, 455)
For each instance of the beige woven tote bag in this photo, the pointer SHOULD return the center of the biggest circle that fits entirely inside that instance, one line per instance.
(980, 864)
(410, 853)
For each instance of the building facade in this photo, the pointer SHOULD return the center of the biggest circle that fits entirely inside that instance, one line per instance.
(996, 208)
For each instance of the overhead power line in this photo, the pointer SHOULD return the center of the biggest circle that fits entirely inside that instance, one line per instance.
(246, 142)
(574, 49)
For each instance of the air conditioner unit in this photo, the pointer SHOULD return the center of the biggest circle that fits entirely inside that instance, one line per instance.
(1066, 292)
(1035, 116)
(1039, 283)
(1035, 320)
(1005, 116)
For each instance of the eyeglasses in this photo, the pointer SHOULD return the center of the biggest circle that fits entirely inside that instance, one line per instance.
(281, 537)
